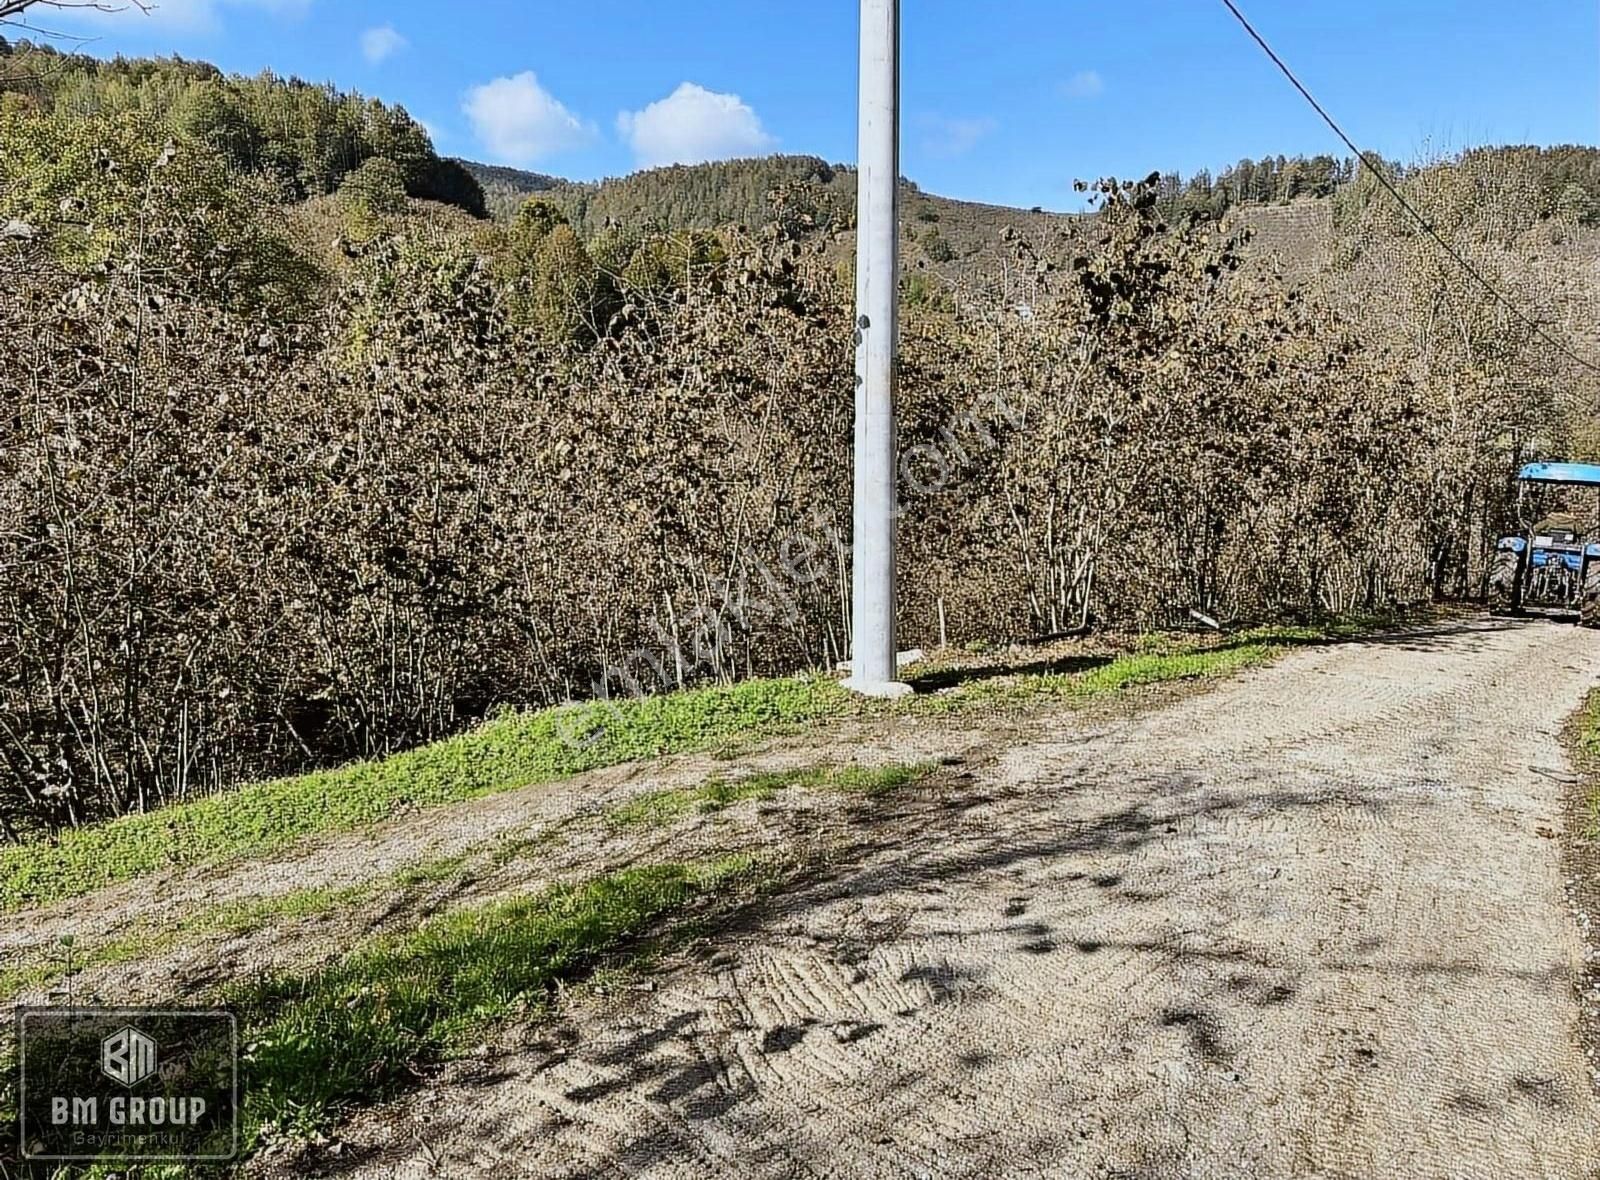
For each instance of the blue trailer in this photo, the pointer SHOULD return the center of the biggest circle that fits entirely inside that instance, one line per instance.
(1555, 565)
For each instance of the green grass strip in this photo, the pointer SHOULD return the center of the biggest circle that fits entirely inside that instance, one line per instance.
(1117, 675)
(1138, 670)
(360, 1029)
(509, 752)
(659, 808)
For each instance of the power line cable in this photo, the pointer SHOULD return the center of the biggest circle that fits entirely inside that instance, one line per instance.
(1374, 165)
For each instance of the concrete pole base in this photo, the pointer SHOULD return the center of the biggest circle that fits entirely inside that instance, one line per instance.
(885, 689)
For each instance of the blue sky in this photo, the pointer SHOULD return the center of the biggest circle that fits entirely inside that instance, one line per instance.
(1006, 100)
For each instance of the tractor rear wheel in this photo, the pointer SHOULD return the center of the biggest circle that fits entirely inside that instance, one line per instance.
(1505, 582)
(1589, 594)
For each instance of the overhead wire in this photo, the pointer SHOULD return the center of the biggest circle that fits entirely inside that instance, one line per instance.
(1374, 165)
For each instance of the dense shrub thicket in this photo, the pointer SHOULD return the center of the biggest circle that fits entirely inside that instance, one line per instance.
(259, 514)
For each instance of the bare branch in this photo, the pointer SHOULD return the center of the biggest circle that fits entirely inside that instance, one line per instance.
(10, 9)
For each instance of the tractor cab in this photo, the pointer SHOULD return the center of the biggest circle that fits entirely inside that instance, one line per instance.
(1555, 565)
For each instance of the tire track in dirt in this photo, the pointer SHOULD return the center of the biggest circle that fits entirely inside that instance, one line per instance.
(1302, 925)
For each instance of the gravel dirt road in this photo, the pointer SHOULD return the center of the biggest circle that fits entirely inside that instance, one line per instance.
(1311, 923)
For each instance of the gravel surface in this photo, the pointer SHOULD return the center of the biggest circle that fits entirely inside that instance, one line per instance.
(1311, 923)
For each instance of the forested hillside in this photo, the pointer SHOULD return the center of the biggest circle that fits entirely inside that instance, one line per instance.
(1560, 181)
(299, 138)
(701, 196)
(299, 464)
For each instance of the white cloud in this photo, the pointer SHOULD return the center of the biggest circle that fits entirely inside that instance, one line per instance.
(520, 122)
(692, 125)
(1087, 84)
(954, 137)
(380, 42)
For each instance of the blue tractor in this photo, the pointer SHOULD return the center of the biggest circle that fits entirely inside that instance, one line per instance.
(1556, 564)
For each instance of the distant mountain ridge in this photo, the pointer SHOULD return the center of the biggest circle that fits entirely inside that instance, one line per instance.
(678, 196)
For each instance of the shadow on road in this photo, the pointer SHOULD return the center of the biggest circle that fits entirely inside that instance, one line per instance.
(1055, 850)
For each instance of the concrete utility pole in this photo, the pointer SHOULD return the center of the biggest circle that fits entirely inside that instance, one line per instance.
(872, 667)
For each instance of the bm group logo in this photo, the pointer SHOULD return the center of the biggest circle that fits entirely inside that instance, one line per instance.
(125, 1085)
(128, 1056)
